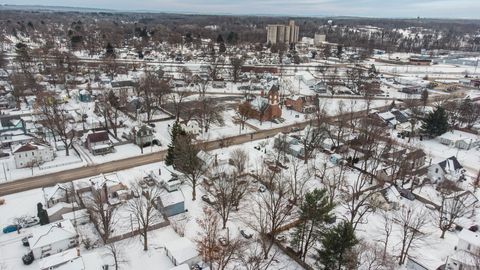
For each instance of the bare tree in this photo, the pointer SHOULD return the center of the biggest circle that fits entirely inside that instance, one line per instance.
(452, 208)
(299, 176)
(219, 256)
(115, 251)
(387, 229)
(143, 209)
(56, 119)
(239, 158)
(228, 190)
(411, 221)
(270, 211)
(370, 257)
(207, 112)
(187, 161)
(102, 213)
(253, 258)
(358, 202)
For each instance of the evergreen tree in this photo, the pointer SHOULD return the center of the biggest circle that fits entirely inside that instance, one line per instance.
(436, 122)
(337, 242)
(424, 97)
(232, 38)
(220, 39)
(315, 211)
(222, 48)
(175, 131)
(42, 214)
(109, 50)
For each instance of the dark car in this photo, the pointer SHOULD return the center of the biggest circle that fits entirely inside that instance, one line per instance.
(25, 242)
(28, 258)
(208, 200)
(223, 241)
(246, 234)
(406, 194)
(11, 228)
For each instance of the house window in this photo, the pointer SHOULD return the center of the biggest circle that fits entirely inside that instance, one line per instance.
(33, 154)
(436, 170)
(469, 246)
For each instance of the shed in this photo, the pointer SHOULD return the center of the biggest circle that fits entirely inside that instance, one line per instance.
(182, 251)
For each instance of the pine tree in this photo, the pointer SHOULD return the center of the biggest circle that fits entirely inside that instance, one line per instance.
(436, 122)
(315, 211)
(174, 132)
(336, 243)
(42, 214)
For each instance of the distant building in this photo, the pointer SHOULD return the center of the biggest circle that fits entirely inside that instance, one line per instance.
(319, 38)
(277, 33)
(420, 61)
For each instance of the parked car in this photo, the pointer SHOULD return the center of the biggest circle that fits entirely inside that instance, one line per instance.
(149, 180)
(274, 168)
(28, 258)
(25, 242)
(223, 241)
(406, 194)
(30, 221)
(208, 199)
(246, 234)
(11, 228)
(281, 238)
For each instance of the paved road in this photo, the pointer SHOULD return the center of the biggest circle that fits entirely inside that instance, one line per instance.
(122, 164)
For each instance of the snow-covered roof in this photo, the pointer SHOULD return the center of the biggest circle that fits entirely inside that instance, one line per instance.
(71, 259)
(57, 191)
(386, 116)
(450, 164)
(171, 198)
(28, 147)
(469, 237)
(456, 135)
(96, 183)
(205, 157)
(259, 103)
(51, 233)
(182, 249)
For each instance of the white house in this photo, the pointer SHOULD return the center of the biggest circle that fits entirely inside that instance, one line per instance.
(465, 255)
(182, 251)
(52, 238)
(460, 139)
(31, 154)
(305, 77)
(449, 169)
(71, 259)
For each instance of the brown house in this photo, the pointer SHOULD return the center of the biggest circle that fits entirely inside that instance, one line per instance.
(302, 104)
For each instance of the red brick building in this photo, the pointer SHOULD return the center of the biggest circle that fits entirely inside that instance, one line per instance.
(302, 104)
(263, 108)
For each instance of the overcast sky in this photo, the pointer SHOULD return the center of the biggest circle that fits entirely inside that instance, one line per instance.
(367, 8)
